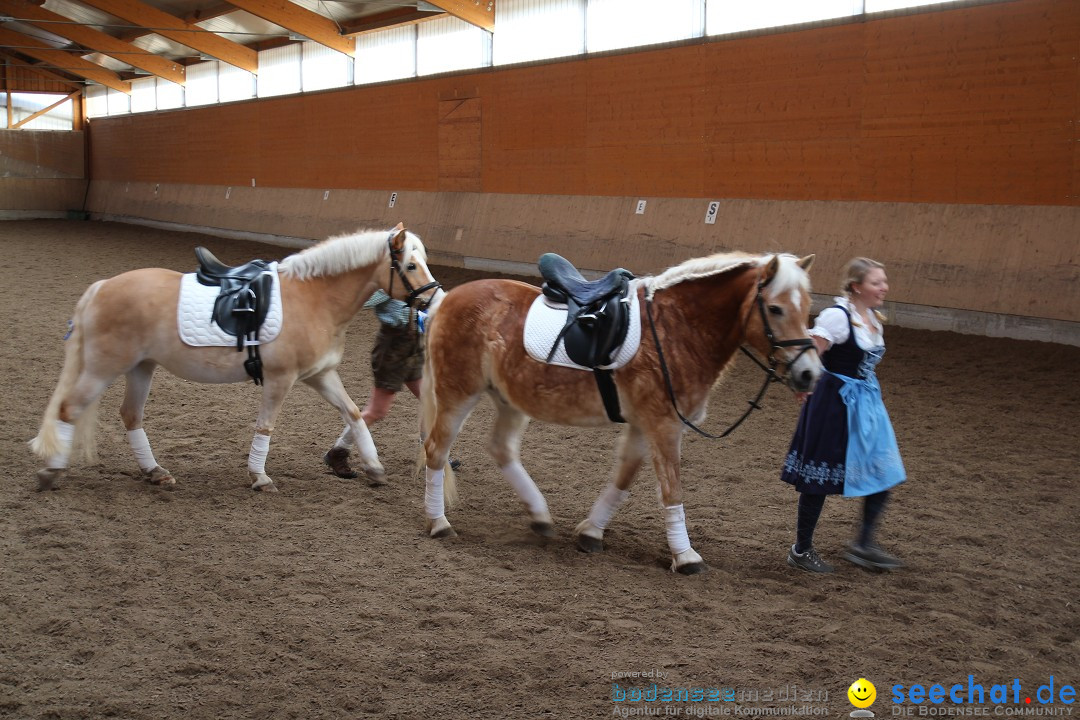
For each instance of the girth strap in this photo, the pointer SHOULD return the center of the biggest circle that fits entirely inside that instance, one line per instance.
(605, 382)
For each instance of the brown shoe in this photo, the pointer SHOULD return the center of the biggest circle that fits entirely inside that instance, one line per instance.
(337, 459)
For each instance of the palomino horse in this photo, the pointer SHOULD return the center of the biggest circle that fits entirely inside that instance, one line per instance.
(702, 310)
(127, 325)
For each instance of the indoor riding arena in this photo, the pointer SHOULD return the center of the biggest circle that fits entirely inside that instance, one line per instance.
(940, 139)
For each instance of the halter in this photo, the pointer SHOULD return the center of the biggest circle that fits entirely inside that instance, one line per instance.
(395, 265)
(771, 375)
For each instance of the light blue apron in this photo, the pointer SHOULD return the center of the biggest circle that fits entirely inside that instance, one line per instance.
(873, 459)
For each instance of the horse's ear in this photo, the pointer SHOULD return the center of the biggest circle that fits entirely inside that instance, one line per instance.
(398, 243)
(770, 269)
(806, 262)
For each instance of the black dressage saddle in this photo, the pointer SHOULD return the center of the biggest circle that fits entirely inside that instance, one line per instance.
(597, 319)
(242, 303)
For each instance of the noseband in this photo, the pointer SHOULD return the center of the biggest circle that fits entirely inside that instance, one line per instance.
(395, 265)
(771, 375)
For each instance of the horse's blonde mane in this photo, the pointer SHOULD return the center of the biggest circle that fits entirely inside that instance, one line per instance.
(342, 253)
(789, 275)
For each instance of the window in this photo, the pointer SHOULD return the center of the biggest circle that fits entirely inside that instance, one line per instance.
(729, 16)
(322, 67)
(119, 103)
(202, 86)
(144, 94)
(538, 29)
(449, 44)
(279, 71)
(97, 101)
(235, 83)
(386, 55)
(23, 105)
(169, 95)
(628, 23)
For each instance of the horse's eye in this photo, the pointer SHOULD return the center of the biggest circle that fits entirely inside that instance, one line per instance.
(411, 267)
(776, 310)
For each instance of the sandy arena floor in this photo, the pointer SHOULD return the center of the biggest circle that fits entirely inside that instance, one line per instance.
(123, 600)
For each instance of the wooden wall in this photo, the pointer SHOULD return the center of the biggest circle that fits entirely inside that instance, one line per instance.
(42, 173)
(944, 142)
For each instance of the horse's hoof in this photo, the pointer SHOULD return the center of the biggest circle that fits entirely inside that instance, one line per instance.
(589, 544)
(159, 476)
(691, 568)
(375, 475)
(440, 528)
(543, 528)
(262, 482)
(47, 476)
(688, 562)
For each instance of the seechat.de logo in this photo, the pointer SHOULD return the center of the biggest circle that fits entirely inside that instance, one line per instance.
(862, 694)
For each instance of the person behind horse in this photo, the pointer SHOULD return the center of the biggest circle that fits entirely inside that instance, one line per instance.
(844, 442)
(397, 361)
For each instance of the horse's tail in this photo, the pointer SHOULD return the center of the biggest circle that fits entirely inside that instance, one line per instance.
(47, 442)
(429, 406)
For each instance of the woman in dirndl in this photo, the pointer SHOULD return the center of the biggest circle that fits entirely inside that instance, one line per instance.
(844, 443)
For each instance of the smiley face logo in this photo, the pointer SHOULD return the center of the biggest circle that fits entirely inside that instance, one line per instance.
(862, 693)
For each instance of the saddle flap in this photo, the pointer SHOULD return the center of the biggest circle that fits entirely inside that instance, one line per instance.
(595, 332)
(242, 305)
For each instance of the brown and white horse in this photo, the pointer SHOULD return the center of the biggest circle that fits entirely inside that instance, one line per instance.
(127, 325)
(703, 310)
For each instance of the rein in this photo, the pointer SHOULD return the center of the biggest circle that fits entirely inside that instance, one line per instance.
(771, 375)
(395, 265)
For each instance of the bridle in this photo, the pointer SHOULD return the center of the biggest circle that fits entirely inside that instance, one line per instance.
(771, 375)
(395, 266)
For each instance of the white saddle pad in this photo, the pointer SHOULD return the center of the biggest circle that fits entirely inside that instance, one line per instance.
(546, 319)
(196, 305)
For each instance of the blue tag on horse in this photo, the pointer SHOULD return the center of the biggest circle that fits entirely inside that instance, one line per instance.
(421, 319)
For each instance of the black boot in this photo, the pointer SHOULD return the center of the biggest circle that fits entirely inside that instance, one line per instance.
(337, 459)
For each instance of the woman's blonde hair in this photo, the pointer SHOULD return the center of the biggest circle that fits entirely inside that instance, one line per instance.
(855, 272)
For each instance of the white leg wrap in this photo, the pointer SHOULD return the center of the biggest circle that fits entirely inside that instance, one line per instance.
(362, 440)
(140, 445)
(66, 434)
(675, 520)
(606, 505)
(525, 488)
(345, 439)
(260, 446)
(434, 507)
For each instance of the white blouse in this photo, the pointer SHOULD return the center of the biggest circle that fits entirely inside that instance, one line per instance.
(832, 325)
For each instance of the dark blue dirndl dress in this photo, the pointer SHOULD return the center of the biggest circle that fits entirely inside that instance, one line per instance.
(844, 442)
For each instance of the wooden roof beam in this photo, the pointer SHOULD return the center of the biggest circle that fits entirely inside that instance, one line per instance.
(388, 19)
(191, 18)
(94, 39)
(30, 67)
(177, 30)
(300, 20)
(480, 13)
(58, 58)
